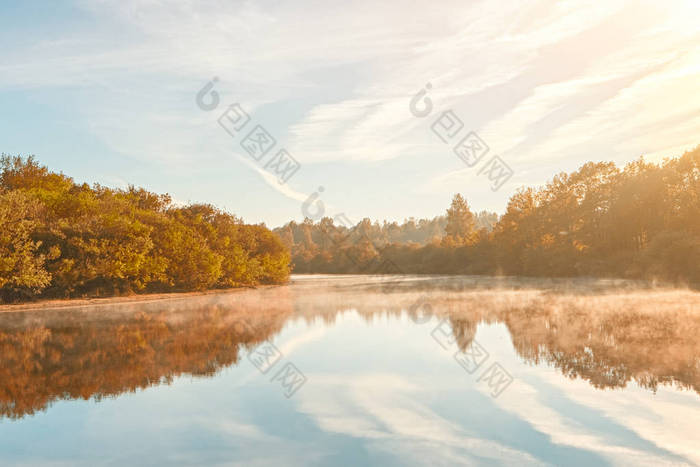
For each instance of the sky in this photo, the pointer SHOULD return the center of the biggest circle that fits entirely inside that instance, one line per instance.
(106, 92)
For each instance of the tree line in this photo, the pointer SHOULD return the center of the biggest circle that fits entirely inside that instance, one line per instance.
(639, 221)
(59, 238)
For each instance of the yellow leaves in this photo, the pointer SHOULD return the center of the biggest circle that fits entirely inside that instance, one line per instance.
(547, 240)
(580, 246)
(101, 241)
(54, 252)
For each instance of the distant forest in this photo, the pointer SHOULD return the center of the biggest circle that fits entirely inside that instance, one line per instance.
(62, 239)
(642, 221)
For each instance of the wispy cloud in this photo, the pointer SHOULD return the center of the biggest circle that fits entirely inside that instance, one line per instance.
(548, 85)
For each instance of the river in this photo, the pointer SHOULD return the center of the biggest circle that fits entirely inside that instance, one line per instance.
(360, 370)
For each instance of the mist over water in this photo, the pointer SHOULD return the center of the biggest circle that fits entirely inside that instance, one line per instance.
(395, 371)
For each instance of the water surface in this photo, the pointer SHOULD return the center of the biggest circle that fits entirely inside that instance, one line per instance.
(357, 370)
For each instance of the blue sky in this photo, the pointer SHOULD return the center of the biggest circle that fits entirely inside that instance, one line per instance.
(105, 92)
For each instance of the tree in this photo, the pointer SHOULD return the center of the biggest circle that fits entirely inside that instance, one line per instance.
(59, 238)
(22, 271)
(460, 220)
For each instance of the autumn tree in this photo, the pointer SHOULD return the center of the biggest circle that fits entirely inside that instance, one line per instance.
(21, 267)
(460, 220)
(65, 239)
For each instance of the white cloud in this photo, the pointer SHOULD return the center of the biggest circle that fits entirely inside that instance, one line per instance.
(545, 83)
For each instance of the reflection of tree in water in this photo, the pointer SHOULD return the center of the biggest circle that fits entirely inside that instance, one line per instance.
(610, 349)
(464, 331)
(608, 332)
(606, 339)
(70, 355)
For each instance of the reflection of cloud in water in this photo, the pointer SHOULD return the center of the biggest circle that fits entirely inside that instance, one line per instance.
(378, 383)
(564, 429)
(607, 332)
(668, 420)
(384, 409)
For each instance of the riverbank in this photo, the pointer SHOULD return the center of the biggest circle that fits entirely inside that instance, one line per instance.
(130, 299)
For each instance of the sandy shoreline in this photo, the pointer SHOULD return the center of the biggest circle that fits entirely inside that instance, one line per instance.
(130, 299)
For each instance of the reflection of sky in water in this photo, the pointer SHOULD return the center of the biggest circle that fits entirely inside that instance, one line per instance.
(380, 392)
